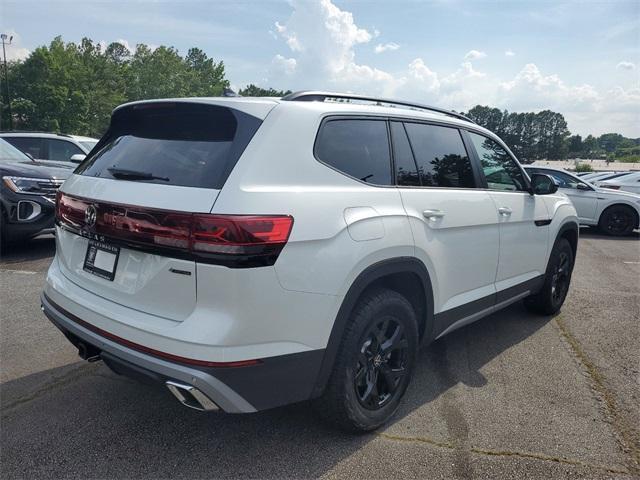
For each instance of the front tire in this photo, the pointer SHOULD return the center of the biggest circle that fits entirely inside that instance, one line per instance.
(551, 296)
(374, 364)
(618, 220)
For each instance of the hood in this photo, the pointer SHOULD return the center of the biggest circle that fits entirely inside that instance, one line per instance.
(34, 170)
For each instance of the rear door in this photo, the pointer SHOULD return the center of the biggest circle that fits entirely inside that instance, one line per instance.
(454, 223)
(31, 145)
(523, 218)
(125, 212)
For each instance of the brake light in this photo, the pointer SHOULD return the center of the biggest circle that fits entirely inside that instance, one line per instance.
(232, 240)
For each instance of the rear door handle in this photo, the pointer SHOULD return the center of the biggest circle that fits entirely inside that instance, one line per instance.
(505, 211)
(433, 213)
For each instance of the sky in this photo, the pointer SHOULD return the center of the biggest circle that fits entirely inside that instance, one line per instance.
(579, 58)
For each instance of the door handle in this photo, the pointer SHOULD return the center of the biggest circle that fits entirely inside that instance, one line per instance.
(432, 214)
(505, 211)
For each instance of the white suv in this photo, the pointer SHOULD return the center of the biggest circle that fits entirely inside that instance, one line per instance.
(51, 147)
(250, 253)
(614, 212)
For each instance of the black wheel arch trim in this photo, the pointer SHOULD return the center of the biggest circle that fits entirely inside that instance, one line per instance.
(360, 284)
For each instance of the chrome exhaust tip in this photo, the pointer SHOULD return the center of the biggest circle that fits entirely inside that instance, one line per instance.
(191, 397)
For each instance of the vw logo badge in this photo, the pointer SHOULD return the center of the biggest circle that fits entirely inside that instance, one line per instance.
(90, 216)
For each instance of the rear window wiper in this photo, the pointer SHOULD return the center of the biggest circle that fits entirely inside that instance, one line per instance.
(125, 174)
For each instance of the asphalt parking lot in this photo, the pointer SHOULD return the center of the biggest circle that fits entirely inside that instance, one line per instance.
(513, 395)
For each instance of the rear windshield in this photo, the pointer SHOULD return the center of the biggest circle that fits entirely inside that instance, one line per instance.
(183, 144)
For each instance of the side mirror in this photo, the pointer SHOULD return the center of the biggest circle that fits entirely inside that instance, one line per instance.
(77, 158)
(582, 186)
(543, 184)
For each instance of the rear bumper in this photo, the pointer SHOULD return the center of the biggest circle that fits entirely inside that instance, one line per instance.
(273, 382)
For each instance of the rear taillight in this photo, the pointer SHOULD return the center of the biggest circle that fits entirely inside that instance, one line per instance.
(232, 240)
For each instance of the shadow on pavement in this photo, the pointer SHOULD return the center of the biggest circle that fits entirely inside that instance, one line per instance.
(593, 232)
(29, 250)
(81, 420)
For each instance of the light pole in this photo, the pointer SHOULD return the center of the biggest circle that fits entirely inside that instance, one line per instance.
(6, 77)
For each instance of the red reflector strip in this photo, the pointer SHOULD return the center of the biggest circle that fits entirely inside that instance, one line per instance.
(257, 235)
(150, 351)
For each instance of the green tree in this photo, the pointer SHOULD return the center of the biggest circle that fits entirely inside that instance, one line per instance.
(72, 88)
(252, 90)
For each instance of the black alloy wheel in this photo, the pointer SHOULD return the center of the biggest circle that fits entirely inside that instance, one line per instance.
(381, 363)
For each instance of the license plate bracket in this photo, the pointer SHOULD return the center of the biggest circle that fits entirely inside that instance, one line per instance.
(101, 259)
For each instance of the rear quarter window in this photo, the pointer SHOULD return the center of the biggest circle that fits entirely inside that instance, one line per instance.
(186, 144)
(358, 148)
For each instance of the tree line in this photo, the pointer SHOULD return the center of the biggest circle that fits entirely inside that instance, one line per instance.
(544, 135)
(73, 87)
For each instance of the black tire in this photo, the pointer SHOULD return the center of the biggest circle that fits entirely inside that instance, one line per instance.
(369, 379)
(618, 220)
(557, 279)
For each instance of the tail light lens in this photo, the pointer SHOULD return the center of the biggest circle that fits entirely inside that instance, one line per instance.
(231, 240)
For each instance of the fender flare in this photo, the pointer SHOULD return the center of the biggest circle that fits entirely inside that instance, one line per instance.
(359, 285)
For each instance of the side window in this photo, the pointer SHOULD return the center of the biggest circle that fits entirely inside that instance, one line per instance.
(441, 157)
(359, 148)
(499, 168)
(30, 145)
(61, 150)
(406, 169)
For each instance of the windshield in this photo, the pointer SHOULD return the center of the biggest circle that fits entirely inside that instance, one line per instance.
(10, 153)
(88, 144)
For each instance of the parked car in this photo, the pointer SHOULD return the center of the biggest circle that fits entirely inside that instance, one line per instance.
(595, 175)
(628, 183)
(27, 195)
(57, 147)
(251, 252)
(615, 213)
(597, 182)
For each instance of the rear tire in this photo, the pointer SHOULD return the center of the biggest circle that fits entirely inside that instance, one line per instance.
(618, 220)
(374, 364)
(557, 279)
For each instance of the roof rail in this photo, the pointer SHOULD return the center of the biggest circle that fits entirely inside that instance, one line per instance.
(317, 96)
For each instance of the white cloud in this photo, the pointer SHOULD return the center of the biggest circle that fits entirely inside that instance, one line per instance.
(474, 55)
(285, 65)
(386, 47)
(15, 51)
(509, 53)
(323, 40)
(626, 66)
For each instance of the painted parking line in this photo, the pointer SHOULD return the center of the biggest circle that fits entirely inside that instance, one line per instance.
(20, 272)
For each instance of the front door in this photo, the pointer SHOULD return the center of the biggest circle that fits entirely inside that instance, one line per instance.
(523, 219)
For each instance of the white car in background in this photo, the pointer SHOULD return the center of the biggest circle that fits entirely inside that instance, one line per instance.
(51, 147)
(614, 212)
(590, 177)
(628, 183)
(600, 180)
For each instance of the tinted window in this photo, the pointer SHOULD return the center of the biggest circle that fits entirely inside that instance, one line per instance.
(441, 157)
(406, 169)
(359, 148)
(32, 146)
(11, 153)
(189, 144)
(61, 150)
(500, 170)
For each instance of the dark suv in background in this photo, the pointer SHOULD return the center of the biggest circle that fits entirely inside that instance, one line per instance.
(27, 195)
